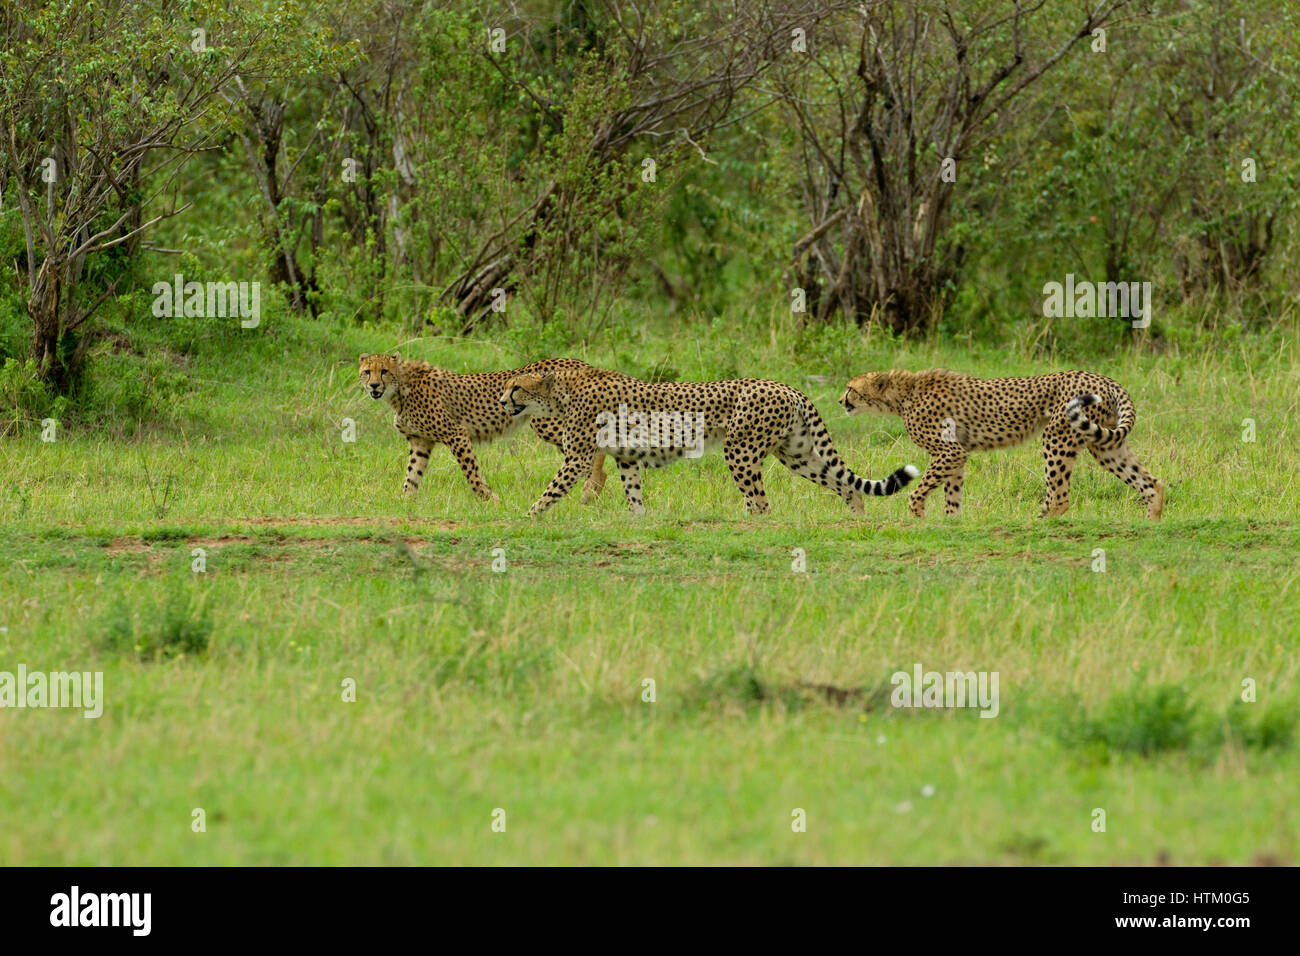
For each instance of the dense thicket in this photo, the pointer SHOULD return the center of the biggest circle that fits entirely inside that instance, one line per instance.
(919, 164)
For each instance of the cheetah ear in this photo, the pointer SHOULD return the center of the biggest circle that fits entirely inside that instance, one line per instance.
(548, 382)
(397, 356)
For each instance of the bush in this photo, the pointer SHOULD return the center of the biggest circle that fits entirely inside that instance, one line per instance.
(179, 625)
(1145, 720)
(25, 400)
(126, 389)
(1150, 720)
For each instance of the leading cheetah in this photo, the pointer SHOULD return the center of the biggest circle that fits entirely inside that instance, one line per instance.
(751, 418)
(435, 406)
(950, 415)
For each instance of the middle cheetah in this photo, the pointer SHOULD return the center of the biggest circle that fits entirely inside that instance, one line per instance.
(750, 418)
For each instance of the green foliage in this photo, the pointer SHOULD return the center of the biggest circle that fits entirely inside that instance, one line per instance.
(25, 399)
(833, 349)
(1260, 726)
(177, 625)
(1146, 720)
(1142, 720)
(127, 389)
(1122, 164)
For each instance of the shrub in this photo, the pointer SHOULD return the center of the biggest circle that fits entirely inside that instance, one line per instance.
(177, 625)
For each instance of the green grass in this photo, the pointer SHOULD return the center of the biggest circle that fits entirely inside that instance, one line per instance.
(523, 690)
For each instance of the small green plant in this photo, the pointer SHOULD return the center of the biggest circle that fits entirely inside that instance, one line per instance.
(160, 498)
(830, 348)
(118, 627)
(178, 625)
(1145, 720)
(1258, 727)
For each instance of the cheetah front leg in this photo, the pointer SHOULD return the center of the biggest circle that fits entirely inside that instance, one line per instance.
(1060, 446)
(946, 465)
(460, 447)
(416, 463)
(552, 430)
(574, 467)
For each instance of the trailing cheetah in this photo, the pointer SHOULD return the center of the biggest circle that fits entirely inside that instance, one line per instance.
(950, 415)
(751, 418)
(434, 406)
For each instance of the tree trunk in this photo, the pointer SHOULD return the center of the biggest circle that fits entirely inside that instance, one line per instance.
(43, 308)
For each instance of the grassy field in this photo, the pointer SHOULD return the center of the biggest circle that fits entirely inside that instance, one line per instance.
(523, 690)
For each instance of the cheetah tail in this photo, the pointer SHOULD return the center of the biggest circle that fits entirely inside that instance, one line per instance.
(894, 483)
(1099, 434)
(822, 441)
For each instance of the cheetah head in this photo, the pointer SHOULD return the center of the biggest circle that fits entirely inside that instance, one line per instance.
(873, 392)
(533, 394)
(379, 373)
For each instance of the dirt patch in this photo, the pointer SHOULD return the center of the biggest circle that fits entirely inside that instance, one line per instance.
(418, 546)
(218, 542)
(280, 541)
(124, 545)
(343, 522)
(127, 546)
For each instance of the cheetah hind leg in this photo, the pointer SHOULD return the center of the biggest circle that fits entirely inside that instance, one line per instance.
(630, 473)
(746, 465)
(952, 493)
(416, 463)
(464, 452)
(819, 470)
(1123, 464)
(1059, 450)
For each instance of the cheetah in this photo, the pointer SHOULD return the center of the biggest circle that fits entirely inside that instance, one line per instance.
(750, 418)
(951, 415)
(434, 406)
